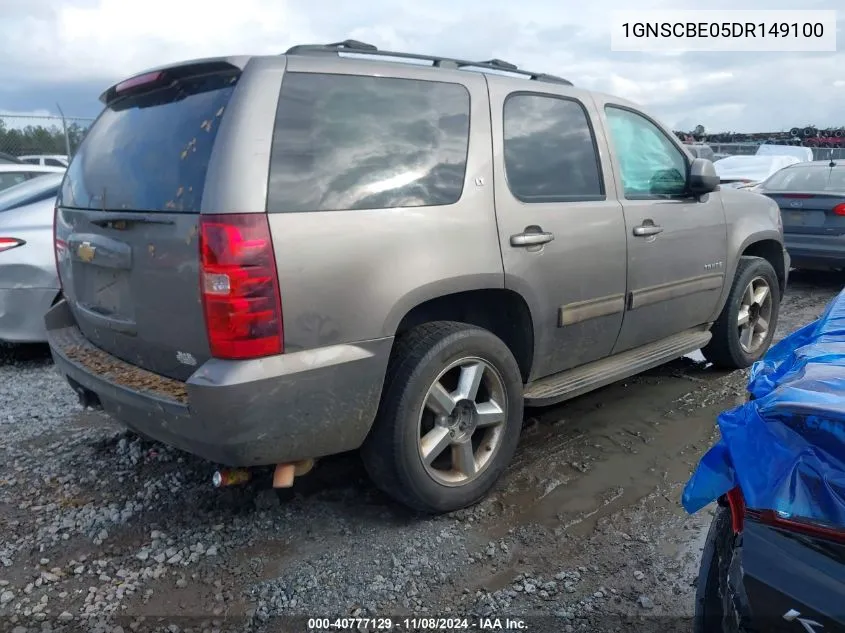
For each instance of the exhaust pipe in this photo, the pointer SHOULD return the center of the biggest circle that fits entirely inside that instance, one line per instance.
(233, 477)
(282, 477)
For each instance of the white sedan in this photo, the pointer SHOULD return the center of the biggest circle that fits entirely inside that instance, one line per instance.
(738, 172)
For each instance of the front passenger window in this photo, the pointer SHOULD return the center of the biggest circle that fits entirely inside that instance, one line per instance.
(651, 165)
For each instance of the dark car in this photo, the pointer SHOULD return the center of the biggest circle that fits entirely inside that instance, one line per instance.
(811, 197)
(764, 572)
(774, 558)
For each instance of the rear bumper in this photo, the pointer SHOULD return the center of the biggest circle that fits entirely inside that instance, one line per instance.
(238, 413)
(22, 313)
(824, 250)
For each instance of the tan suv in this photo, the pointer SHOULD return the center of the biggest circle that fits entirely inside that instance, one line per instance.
(271, 259)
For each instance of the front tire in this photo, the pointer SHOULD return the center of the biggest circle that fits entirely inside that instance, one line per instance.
(449, 419)
(745, 328)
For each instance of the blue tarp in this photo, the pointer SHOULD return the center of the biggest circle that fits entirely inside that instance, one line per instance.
(785, 448)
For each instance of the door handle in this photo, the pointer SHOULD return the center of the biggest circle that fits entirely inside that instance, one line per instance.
(646, 229)
(531, 238)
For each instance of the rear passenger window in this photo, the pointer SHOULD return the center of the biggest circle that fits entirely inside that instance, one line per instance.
(344, 142)
(550, 150)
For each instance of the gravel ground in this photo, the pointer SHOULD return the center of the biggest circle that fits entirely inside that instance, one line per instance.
(106, 531)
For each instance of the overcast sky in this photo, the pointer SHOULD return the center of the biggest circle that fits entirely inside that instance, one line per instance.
(68, 51)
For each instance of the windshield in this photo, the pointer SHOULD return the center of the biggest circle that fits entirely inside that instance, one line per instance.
(35, 190)
(808, 179)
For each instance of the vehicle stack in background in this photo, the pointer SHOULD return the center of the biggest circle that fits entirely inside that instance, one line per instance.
(825, 143)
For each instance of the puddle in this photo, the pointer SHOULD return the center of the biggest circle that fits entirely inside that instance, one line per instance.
(594, 455)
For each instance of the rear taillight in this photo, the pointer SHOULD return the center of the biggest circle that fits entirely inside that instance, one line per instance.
(141, 81)
(240, 287)
(839, 209)
(8, 243)
(800, 526)
(780, 520)
(736, 502)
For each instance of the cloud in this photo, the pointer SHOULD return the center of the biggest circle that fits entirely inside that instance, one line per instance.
(70, 51)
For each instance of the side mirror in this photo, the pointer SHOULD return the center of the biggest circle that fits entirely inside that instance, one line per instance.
(702, 177)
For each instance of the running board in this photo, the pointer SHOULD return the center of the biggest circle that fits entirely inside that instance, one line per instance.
(575, 382)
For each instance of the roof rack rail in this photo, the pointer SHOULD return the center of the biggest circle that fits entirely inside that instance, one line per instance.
(362, 48)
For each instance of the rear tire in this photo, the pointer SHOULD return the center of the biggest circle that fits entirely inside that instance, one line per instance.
(746, 326)
(449, 419)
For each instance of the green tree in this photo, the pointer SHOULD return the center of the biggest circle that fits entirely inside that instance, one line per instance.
(37, 139)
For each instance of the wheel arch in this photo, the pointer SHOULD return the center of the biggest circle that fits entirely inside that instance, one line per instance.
(767, 245)
(772, 251)
(503, 312)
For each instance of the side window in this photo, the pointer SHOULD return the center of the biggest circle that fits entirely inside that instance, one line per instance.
(344, 142)
(550, 150)
(651, 164)
(52, 162)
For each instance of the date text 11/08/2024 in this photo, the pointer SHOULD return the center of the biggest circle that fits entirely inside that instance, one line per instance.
(328, 625)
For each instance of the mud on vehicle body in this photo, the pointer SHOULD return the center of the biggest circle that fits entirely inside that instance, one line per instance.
(318, 253)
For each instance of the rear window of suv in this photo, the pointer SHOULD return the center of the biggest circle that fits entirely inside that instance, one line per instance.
(345, 142)
(150, 152)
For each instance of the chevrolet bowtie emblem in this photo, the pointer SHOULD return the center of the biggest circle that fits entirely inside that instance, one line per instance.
(85, 252)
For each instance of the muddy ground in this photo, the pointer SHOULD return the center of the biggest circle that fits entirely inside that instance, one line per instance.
(102, 530)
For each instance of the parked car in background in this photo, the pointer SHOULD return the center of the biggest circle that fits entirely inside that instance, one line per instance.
(218, 303)
(29, 284)
(8, 158)
(811, 197)
(15, 173)
(803, 154)
(736, 172)
(50, 160)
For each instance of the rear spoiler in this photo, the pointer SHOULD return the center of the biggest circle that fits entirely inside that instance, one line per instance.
(163, 75)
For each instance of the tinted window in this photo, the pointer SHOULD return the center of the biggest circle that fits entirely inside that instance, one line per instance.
(651, 164)
(348, 142)
(32, 161)
(52, 162)
(550, 151)
(10, 179)
(150, 152)
(807, 179)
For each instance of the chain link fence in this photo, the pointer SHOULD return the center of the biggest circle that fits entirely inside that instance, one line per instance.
(22, 135)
